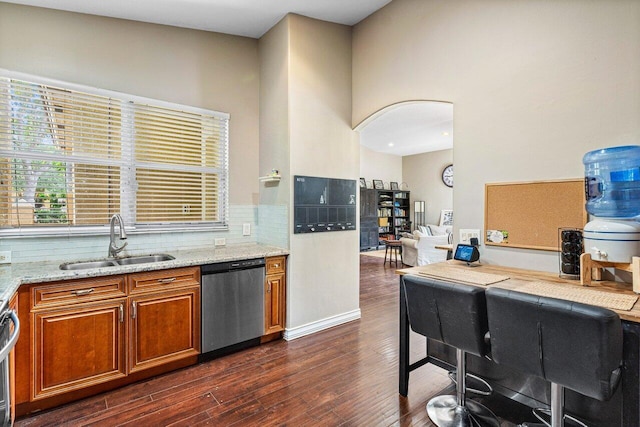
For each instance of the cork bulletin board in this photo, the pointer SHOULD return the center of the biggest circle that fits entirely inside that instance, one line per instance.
(528, 214)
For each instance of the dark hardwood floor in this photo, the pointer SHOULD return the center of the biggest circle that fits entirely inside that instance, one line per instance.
(347, 375)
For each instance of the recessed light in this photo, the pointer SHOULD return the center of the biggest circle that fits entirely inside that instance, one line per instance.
(391, 144)
(445, 133)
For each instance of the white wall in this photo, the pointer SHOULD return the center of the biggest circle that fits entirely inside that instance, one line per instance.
(324, 267)
(274, 112)
(273, 217)
(534, 85)
(305, 120)
(385, 167)
(423, 174)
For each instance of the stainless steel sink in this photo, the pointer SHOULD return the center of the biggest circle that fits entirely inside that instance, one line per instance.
(141, 259)
(144, 259)
(88, 264)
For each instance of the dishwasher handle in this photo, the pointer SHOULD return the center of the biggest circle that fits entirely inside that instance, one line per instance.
(223, 267)
(14, 337)
(247, 264)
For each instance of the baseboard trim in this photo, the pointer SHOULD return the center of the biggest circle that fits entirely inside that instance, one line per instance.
(320, 325)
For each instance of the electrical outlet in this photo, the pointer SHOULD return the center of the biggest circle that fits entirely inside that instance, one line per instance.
(220, 241)
(186, 209)
(467, 233)
(5, 257)
(246, 229)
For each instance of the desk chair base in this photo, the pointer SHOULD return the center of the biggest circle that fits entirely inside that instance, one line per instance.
(445, 412)
(458, 411)
(488, 392)
(556, 413)
(539, 412)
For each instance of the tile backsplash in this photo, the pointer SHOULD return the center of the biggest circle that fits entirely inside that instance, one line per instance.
(66, 248)
(273, 225)
(269, 225)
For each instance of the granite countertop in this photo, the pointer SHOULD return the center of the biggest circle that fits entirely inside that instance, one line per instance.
(14, 275)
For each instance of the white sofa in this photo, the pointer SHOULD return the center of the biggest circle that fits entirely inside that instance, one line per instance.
(420, 249)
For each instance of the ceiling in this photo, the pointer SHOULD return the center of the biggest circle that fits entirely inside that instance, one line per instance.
(412, 128)
(250, 18)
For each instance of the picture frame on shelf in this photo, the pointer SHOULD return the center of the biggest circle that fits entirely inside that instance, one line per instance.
(446, 217)
(378, 184)
(363, 183)
(394, 185)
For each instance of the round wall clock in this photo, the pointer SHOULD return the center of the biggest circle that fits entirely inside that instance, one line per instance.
(447, 176)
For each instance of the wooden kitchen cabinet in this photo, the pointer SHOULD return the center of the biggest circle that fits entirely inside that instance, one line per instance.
(163, 280)
(79, 332)
(164, 327)
(275, 295)
(164, 316)
(89, 335)
(64, 293)
(78, 346)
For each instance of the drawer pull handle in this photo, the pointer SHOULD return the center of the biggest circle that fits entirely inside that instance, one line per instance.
(168, 280)
(82, 292)
(276, 265)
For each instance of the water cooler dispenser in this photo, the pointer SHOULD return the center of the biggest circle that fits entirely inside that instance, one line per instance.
(612, 187)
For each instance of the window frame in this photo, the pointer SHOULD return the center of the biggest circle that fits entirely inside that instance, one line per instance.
(129, 216)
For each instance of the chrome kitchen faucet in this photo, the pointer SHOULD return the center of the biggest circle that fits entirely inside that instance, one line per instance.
(114, 250)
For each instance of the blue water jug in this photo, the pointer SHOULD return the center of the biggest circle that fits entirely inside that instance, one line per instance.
(612, 181)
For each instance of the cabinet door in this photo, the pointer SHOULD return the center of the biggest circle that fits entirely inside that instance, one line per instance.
(364, 238)
(274, 307)
(164, 327)
(78, 347)
(374, 237)
(370, 204)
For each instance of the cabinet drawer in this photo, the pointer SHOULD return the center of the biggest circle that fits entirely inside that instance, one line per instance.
(154, 281)
(275, 264)
(77, 291)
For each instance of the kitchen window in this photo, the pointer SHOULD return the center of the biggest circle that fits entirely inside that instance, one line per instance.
(72, 156)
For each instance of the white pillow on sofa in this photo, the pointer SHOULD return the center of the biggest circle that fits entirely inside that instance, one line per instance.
(437, 230)
(417, 235)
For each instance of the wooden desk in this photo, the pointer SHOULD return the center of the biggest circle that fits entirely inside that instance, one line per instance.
(448, 248)
(624, 407)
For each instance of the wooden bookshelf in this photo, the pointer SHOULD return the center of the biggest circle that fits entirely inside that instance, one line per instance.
(394, 212)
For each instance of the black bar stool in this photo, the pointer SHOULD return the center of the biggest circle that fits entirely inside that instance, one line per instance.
(393, 248)
(572, 345)
(456, 315)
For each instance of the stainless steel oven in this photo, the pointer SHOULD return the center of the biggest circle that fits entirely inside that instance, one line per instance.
(8, 339)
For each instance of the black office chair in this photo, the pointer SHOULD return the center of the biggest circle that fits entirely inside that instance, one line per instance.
(572, 345)
(454, 314)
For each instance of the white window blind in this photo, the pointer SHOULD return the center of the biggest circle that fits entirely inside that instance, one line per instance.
(72, 158)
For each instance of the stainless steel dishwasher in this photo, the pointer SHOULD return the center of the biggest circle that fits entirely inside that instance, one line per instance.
(232, 306)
